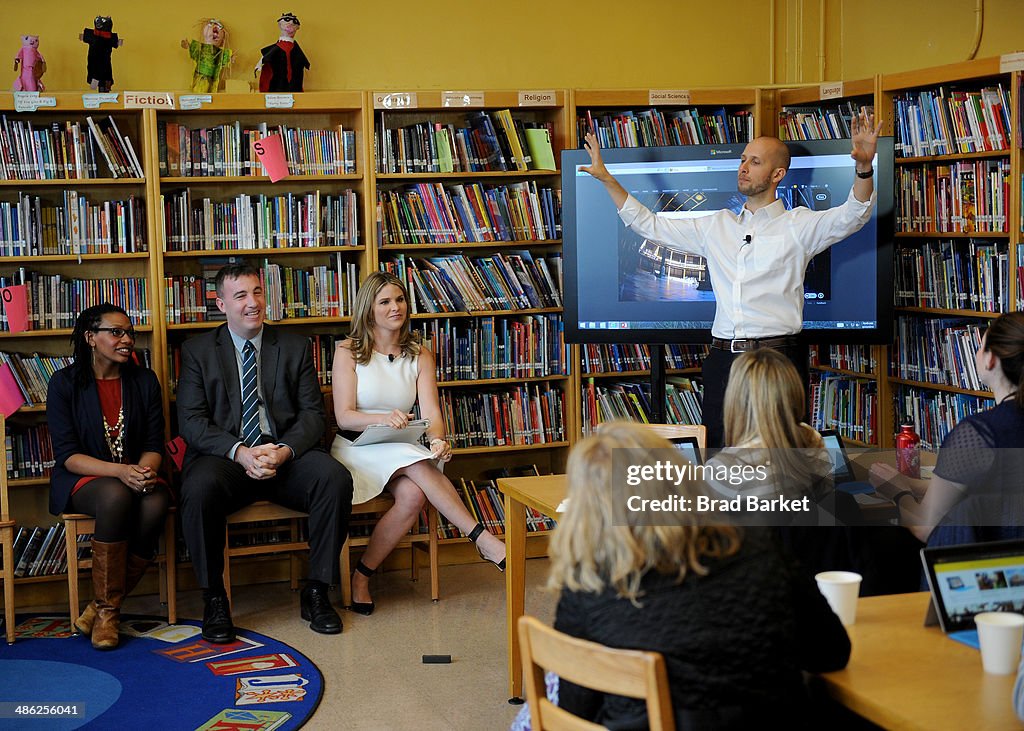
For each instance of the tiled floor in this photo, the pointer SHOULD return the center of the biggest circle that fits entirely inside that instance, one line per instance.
(373, 672)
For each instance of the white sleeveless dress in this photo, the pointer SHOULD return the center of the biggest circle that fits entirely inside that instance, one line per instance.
(381, 385)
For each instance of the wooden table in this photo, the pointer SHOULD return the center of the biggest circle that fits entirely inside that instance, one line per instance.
(542, 494)
(903, 675)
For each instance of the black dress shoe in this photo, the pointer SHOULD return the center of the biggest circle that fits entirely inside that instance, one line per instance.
(217, 625)
(363, 608)
(317, 610)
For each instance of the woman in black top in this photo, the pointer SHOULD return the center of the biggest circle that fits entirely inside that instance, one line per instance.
(106, 421)
(734, 620)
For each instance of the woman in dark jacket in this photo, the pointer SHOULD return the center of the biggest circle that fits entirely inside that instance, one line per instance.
(106, 422)
(735, 620)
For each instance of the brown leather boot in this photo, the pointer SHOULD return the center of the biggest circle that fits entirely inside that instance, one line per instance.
(137, 567)
(108, 580)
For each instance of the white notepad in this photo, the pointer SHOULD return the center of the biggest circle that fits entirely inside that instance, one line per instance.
(381, 433)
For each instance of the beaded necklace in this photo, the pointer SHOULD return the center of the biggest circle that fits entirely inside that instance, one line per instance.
(115, 443)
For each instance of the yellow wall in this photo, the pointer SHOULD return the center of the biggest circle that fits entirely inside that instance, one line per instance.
(470, 44)
(415, 44)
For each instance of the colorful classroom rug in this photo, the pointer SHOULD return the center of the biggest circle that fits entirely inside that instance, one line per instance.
(161, 677)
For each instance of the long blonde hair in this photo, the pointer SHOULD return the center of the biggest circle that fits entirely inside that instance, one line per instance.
(764, 405)
(361, 335)
(591, 550)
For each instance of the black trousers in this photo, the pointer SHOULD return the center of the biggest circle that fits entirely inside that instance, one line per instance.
(715, 373)
(214, 487)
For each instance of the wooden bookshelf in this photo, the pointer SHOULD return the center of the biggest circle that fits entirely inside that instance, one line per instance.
(970, 77)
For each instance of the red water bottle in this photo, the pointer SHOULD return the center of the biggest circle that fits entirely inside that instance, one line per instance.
(908, 451)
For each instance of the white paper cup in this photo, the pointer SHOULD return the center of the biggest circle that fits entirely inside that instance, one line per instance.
(841, 589)
(1000, 635)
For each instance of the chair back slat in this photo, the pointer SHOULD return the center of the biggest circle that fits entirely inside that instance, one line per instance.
(631, 673)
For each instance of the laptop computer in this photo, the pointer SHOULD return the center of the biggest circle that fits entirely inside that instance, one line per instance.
(689, 447)
(971, 578)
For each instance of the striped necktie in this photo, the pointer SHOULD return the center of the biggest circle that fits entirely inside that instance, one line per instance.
(250, 397)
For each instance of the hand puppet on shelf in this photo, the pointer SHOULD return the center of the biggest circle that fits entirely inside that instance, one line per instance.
(32, 65)
(211, 56)
(281, 65)
(102, 42)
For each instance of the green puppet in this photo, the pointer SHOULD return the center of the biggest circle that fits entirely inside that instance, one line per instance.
(211, 57)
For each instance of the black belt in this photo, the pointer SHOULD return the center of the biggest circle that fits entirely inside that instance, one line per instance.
(742, 345)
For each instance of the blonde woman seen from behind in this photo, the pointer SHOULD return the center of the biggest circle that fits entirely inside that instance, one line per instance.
(734, 620)
(380, 371)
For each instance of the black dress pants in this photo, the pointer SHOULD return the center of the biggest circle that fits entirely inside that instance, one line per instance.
(214, 487)
(715, 373)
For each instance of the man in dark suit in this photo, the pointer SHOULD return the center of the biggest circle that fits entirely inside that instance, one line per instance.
(251, 412)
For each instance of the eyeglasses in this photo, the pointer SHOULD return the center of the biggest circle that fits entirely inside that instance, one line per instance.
(117, 332)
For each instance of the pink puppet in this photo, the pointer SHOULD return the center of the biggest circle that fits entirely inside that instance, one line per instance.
(32, 65)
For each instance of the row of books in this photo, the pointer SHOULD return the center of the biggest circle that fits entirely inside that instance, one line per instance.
(817, 123)
(65, 150)
(510, 280)
(849, 405)
(654, 127)
(448, 214)
(603, 402)
(291, 292)
(962, 197)
(946, 122)
(497, 418)
(228, 150)
(938, 351)
(956, 275)
(54, 302)
(618, 357)
(496, 347)
(34, 227)
(487, 504)
(858, 358)
(260, 221)
(29, 452)
(492, 141)
(42, 551)
(32, 373)
(935, 413)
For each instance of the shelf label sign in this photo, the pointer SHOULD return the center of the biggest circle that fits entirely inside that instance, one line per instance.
(279, 101)
(193, 101)
(148, 100)
(29, 101)
(537, 98)
(668, 96)
(832, 90)
(93, 101)
(396, 100)
(462, 98)
(10, 395)
(270, 152)
(15, 303)
(1011, 62)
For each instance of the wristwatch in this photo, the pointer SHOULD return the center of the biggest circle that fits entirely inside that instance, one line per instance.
(866, 174)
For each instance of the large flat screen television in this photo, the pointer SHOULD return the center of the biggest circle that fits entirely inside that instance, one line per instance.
(620, 288)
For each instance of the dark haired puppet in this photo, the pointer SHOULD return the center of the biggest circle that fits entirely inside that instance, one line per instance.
(102, 42)
(281, 65)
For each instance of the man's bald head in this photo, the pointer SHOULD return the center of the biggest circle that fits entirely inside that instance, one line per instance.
(775, 150)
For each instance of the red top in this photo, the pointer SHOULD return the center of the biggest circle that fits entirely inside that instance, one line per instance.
(110, 404)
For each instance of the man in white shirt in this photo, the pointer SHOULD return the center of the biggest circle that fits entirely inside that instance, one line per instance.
(757, 259)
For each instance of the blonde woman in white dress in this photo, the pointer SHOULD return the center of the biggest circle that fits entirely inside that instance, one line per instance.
(380, 371)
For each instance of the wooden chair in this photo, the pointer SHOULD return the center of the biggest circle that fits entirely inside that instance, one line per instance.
(78, 524)
(7, 539)
(630, 673)
(422, 541)
(674, 431)
(264, 510)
